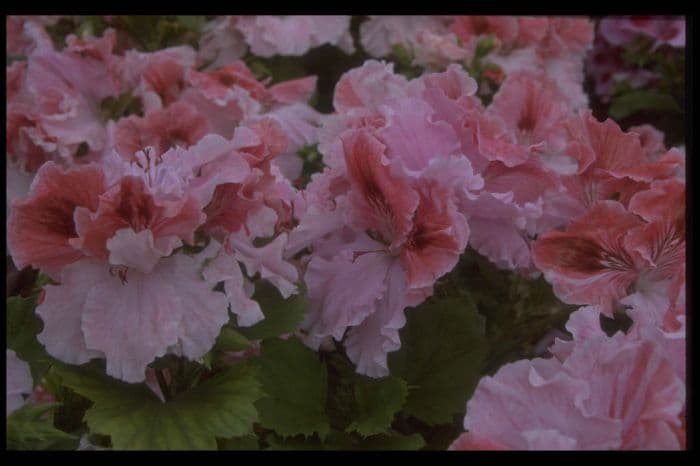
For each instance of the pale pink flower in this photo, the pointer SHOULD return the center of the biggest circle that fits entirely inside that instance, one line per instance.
(130, 317)
(568, 35)
(379, 34)
(294, 35)
(596, 393)
(19, 382)
(398, 231)
(436, 51)
(367, 86)
(131, 300)
(221, 43)
(56, 112)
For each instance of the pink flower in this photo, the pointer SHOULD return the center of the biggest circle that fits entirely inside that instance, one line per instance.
(178, 125)
(414, 134)
(609, 161)
(514, 203)
(367, 86)
(470, 28)
(438, 236)
(590, 262)
(158, 78)
(26, 34)
(437, 50)
(132, 298)
(665, 30)
(379, 34)
(132, 228)
(263, 187)
(525, 117)
(651, 139)
(661, 240)
(531, 30)
(41, 226)
(568, 35)
(55, 113)
(130, 317)
(609, 249)
(397, 230)
(294, 35)
(600, 393)
(221, 43)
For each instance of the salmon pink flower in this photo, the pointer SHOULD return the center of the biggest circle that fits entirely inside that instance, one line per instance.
(41, 226)
(178, 125)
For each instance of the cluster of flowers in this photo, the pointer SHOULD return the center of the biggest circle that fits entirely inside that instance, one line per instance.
(138, 218)
(504, 44)
(119, 212)
(615, 36)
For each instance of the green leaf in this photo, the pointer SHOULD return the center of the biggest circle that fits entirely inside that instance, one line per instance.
(247, 442)
(441, 357)
(281, 315)
(222, 406)
(484, 46)
(125, 104)
(377, 401)
(648, 99)
(296, 383)
(342, 441)
(23, 325)
(92, 26)
(341, 405)
(297, 443)
(192, 22)
(393, 442)
(27, 430)
(403, 56)
(231, 340)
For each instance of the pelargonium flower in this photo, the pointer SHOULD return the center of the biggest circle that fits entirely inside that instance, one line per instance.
(397, 230)
(611, 163)
(226, 39)
(470, 28)
(157, 78)
(54, 113)
(182, 102)
(123, 292)
(665, 30)
(556, 45)
(606, 251)
(221, 43)
(177, 125)
(19, 382)
(294, 35)
(41, 226)
(598, 392)
(27, 33)
(379, 34)
(437, 115)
